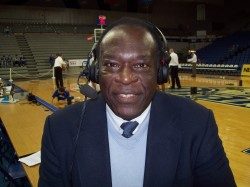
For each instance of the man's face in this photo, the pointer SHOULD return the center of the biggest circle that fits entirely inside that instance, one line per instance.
(128, 70)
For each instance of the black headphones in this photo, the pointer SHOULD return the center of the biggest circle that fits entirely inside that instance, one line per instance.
(162, 72)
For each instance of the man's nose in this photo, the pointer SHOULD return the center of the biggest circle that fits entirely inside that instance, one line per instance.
(127, 75)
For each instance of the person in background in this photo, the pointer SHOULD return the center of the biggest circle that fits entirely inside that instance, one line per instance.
(51, 61)
(193, 60)
(58, 68)
(9, 62)
(4, 61)
(132, 135)
(22, 61)
(62, 95)
(15, 61)
(6, 30)
(173, 65)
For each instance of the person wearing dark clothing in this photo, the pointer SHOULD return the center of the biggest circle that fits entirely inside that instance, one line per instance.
(22, 61)
(16, 61)
(132, 135)
(3, 61)
(51, 61)
(9, 61)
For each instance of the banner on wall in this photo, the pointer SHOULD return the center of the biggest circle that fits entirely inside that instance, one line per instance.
(245, 70)
(245, 81)
(77, 62)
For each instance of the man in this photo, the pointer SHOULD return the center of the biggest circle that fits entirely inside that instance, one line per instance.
(22, 61)
(16, 61)
(61, 94)
(58, 67)
(193, 60)
(169, 147)
(51, 60)
(173, 64)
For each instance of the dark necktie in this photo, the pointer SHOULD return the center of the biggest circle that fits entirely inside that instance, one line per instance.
(128, 128)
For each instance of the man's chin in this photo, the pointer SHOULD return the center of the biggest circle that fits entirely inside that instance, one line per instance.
(128, 113)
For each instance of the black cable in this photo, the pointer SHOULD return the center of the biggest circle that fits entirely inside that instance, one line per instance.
(77, 137)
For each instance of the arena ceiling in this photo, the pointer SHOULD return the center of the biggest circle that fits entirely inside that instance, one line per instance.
(115, 5)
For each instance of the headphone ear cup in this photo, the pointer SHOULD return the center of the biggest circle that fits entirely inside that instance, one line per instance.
(97, 74)
(93, 74)
(165, 73)
(167, 57)
(162, 76)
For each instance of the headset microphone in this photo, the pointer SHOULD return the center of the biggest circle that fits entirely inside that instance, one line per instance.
(76, 139)
(91, 93)
(88, 91)
(85, 89)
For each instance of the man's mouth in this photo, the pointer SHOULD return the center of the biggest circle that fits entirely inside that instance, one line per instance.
(127, 95)
(127, 98)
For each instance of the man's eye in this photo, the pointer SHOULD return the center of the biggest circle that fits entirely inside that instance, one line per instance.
(111, 65)
(141, 65)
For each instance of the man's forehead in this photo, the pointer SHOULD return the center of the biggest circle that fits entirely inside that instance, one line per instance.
(126, 32)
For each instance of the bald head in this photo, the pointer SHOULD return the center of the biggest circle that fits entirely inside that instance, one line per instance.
(128, 69)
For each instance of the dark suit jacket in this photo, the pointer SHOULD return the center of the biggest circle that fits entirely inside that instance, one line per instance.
(183, 147)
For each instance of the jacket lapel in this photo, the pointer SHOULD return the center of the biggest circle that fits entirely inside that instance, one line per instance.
(163, 145)
(93, 158)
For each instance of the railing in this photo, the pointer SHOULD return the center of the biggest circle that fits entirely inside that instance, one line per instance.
(224, 69)
(30, 76)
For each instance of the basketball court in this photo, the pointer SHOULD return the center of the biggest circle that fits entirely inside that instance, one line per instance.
(229, 101)
(228, 98)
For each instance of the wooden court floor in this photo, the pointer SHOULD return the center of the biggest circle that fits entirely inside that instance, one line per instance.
(233, 122)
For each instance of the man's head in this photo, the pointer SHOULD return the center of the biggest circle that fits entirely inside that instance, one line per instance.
(171, 50)
(61, 90)
(129, 54)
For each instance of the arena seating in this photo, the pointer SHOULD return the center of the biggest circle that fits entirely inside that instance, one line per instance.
(9, 47)
(47, 28)
(212, 69)
(42, 41)
(227, 50)
(72, 46)
(224, 56)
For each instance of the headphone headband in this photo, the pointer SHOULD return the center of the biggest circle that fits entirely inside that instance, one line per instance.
(162, 76)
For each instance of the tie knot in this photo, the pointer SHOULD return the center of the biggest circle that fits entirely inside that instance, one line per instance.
(128, 128)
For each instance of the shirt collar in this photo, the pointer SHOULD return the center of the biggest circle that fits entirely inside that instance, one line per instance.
(117, 121)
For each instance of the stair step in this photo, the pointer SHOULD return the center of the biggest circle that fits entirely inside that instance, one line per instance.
(27, 53)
